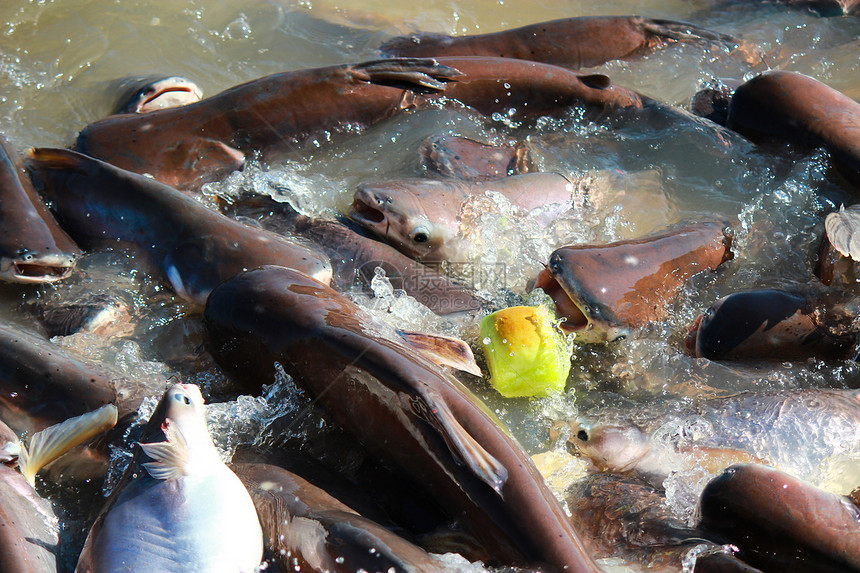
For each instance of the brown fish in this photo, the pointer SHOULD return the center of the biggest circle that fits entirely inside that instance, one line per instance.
(33, 247)
(41, 385)
(384, 393)
(605, 290)
(421, 217)
(470, 160)
(772, 325)
(803, 110)
(781, 523)
(193, 247)
(623, 516)
(306, 529)
(355, 256)
(569, 42)
(190, 145)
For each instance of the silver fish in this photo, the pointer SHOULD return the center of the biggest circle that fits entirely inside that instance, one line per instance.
(178, 506)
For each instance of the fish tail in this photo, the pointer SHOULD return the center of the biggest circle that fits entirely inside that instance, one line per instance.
(57, 159)
(56, 440)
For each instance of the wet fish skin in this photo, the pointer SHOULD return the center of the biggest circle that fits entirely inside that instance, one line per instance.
(355, 256)
(569, 42)
(768, 325)
(605, 290)
(193, 247)
(42, 385)
(780, 522)
(307, 529)
(190, 145)
(774, 427)
(801, 109)
(33, 247)
(384, 393)
(623, 516)
(469, 160)
(29, 530)
(178, 507)
(421, 217)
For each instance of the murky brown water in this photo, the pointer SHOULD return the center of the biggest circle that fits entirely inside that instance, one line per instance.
(59, 63)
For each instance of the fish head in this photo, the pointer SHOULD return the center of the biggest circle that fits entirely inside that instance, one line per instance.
(26, 266)
(589, 320)
(419, 217)
(151, 94)
(616, 447)
(185, 405)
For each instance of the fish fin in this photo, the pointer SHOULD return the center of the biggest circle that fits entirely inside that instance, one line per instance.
(56, 440)
(416, 74)
(596, 81)
(684, 32)
(480, 461)
(717, 459)
(443, 350)
(171, 456)
(49, 158)
(843, 231)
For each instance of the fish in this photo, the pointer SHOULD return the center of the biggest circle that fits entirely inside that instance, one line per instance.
(192, 247)
(712, 100)
(576, 43)
(306, 529)
(41, 385)
(772, 325)
(603, 291)
(421, 217)
(355, 256)
(383, 392)
(193, 144)
(780, 522)
(798, 108)
(29, 528)
(774, 427)
(151, 93)
(105, 314)
(178, 507)
(33, 247)
(469, 160)
(626, 517)
(190, 145)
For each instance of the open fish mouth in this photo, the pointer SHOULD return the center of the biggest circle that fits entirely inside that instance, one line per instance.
(363, 212)
(575, 320)
(36, 271)
(173, 96)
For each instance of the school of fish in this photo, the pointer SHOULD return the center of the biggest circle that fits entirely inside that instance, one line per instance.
(348, 325)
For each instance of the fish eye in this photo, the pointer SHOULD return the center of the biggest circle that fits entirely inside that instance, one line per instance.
(582, 435)
(182, 398)
(420, 235)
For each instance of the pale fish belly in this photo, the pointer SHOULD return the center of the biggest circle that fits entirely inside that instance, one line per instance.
(193, 523)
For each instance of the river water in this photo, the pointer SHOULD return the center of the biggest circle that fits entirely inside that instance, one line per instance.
(60, 63)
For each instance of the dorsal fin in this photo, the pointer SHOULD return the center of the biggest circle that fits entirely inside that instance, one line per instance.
(596, 81)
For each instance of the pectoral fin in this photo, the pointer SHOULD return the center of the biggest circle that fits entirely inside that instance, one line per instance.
(52, 442)
(480, 461)
(443, 350)
(416, 74)
(171, 457)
